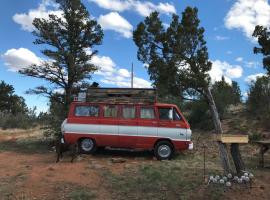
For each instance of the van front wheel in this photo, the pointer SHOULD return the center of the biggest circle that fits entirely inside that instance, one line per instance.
(163, 150)
(87, 145)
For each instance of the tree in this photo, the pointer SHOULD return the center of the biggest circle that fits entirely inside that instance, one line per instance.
(225, 95)
(259, 92)
(66, 40)
(263, 36)
(178, 61)
(258, 102)
(11, 103)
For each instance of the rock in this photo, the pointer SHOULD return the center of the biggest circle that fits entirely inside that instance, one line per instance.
(251, 175)
(51, 169)
(229, 175)
(118, 160)
(79, 158)
(97, 166)
(221, 181)
(228, 184)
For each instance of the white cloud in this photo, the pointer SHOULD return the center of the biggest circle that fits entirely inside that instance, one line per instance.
(246, 14)
(234, 72)
(251, 78)
(114, 21)
(221, 38)
(239, 59)
(143, 8)
(26, 19)
(252, 64)
(225, 69)
(116, 5)
(105, 63)
(16, 59)
(124, 73)
(229, 52)
(112, 75)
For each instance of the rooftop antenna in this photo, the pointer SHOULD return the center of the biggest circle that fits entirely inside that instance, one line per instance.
(132, 75)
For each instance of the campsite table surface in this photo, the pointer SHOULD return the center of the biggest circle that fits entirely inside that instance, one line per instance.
(264, 147)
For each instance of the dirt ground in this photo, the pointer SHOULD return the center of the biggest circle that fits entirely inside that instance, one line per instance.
(28, 171)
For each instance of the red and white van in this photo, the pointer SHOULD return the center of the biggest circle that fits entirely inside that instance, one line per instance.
(158, 127)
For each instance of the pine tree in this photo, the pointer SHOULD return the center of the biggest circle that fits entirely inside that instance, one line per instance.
(65, 39)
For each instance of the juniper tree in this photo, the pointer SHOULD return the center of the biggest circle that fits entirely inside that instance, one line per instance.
(178, 61)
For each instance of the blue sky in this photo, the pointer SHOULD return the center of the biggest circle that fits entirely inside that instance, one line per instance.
(228, 24)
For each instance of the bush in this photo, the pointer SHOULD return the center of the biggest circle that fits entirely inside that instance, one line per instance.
(255, 136)
(258, 102)
(19, 120)
(198, 115)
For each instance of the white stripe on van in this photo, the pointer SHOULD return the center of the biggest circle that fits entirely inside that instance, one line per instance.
(178, 134)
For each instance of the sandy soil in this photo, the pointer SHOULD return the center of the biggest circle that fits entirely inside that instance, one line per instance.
(27, 175)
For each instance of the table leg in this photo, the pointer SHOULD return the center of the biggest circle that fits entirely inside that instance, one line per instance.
(263, 150)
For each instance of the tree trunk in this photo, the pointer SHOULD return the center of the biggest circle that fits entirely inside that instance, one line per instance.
(237, 159)
(216, 120)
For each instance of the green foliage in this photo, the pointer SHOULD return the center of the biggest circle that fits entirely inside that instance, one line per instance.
(199, 115)
(13, 110)
(9, 102)
(263, 36)
(69, 43)
(81, 195)
(225, 95)
(177, 56)
(258, 102)
(255, 136)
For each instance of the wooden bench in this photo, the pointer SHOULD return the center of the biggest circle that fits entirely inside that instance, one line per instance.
(234, 141)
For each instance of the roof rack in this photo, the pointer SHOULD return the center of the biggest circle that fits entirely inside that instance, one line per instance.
(119, 95)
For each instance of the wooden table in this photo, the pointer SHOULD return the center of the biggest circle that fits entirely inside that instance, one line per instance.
(264, 147)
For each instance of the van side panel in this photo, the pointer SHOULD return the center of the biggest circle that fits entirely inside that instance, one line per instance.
(126, 133)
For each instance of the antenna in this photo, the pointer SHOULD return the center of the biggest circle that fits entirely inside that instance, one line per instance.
(132, 75)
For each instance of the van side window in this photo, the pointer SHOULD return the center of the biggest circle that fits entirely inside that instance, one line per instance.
(129, 112)
(176, 116)
(86, 111)
(165, 113)
(147, 113)
(110, 111)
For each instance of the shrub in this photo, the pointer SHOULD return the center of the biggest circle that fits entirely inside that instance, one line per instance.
(258, 102)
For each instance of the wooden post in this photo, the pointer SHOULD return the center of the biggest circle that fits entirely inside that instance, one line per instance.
(204, 173)
(237, 158)
(216, 120)
(263, 150)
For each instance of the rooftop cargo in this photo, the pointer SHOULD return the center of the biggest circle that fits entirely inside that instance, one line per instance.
(119, 95)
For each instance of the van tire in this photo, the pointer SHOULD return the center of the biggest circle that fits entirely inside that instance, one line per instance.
(163, 150)
(87, 145)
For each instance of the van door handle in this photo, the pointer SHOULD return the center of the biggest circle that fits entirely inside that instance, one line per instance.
(161, 124)
(182, 134)
(154, 122)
